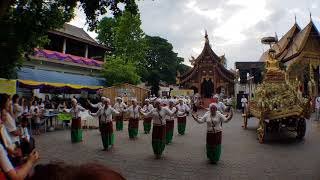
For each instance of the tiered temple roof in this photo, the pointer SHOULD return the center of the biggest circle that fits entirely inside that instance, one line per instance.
(296, 43)
(208, 53)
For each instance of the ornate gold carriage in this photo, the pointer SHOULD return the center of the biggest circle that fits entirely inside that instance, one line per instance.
(277, 103)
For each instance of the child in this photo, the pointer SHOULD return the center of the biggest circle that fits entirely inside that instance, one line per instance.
(37, 121)
(27, 142)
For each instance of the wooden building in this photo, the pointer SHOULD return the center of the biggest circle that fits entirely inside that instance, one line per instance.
(70, 61)
(299, 51)
(208, 75)
(127, 92)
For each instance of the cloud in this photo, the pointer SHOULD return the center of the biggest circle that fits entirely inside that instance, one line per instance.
(235, 27)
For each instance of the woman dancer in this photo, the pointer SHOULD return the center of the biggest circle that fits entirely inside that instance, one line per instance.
(183, 111)
(120, 107)
(213, 118)
(76, 128)
(134, 113)
(147, 119)
(158, 115)
(105, 113)
(170, 123)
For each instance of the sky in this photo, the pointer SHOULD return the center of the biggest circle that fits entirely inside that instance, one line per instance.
(235, 27)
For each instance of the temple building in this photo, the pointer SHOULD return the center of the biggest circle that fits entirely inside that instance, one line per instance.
(209, 75)
(299, 53)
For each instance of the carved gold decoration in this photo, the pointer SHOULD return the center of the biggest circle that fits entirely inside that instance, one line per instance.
(276, 98)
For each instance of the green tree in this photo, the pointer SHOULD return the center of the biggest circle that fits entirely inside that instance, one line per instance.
(24, 24)
(105, 31)
(161, 60)
(116, 71)
(126, 38)
(129, 37)
(182, 68)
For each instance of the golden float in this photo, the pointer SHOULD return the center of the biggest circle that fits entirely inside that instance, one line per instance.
(277, 103)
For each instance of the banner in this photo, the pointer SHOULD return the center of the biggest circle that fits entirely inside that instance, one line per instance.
(8, 86)
(182, 92)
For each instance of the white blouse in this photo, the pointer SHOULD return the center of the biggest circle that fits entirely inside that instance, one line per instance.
(120, 107)
(5, 163)
(11, 126)
(134, 112)
(7, 142)
(98, 105)
(147, 109)
(182, 110)
(171, 117)
(18, 110)
(75, 112)
(158, 116)
(105, 114)
(213, 123)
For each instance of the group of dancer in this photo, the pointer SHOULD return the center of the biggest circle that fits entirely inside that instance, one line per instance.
(156, 114)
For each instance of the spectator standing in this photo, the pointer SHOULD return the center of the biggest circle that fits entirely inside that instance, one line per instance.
(317, 106)
(244, 102)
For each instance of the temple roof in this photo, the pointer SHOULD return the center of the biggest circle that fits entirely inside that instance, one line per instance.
(301, 40)
(207, 51)
(296, 41)
(283, 43)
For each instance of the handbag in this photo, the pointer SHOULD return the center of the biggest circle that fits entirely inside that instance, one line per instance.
(212, 125)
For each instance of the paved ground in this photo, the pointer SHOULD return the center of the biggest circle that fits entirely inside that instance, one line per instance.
(282, 157)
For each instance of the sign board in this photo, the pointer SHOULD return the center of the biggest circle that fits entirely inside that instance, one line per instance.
(130, 92)
(8, 86)
(182, 92)
(127, 92)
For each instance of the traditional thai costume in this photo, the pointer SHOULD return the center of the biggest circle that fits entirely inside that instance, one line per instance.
(107, 135)
(170, 126)
(147, 119)
(182, 113)
(98, 105)
(214, 134)
(76, 128)
(120, 107)
(159, 129)
(133, 126)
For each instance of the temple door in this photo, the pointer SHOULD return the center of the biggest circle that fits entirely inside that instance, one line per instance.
(207, 88)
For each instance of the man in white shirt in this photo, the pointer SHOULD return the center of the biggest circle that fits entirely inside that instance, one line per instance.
(183, 111)
(244, 102)
(317, 106)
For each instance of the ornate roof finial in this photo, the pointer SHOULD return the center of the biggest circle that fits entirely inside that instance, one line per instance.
(276, 36)
(295, 18)
(310, 15)
(206, 36)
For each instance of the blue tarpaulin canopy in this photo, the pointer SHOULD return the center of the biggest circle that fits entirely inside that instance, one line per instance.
(53, 78)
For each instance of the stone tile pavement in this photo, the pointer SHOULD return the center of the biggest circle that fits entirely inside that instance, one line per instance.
(281, 157)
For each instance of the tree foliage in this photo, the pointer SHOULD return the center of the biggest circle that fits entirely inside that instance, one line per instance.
(124, 35)
(24, 24)
(126, 39)
(162, 60)
(116, 71)
(153, 57)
